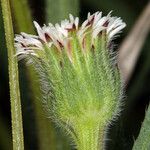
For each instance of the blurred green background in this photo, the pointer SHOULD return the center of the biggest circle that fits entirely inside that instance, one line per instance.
(39, 132)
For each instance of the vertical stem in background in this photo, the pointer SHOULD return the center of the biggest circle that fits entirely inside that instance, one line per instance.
(60, 9)
(16, 114)
(22, 13)
(5, 140)
(46, 133)
(132, 45)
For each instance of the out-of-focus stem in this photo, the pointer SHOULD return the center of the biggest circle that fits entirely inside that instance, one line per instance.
(16, 114)
(22, 13)
(23, 21)
(132, 45)
(62, 8)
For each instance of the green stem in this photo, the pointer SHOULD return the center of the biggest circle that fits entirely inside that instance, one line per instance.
(16, 114)
(90, 136)
(46, 132)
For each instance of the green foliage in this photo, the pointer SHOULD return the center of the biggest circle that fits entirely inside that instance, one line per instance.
(142, 141)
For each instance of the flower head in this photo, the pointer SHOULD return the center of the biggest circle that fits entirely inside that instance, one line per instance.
(61, 35)
(81, 85)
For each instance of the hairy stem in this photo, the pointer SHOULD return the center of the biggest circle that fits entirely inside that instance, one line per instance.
(89, 135)
(16, 114)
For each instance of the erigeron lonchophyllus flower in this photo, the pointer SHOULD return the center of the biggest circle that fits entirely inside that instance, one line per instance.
(79, 78)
